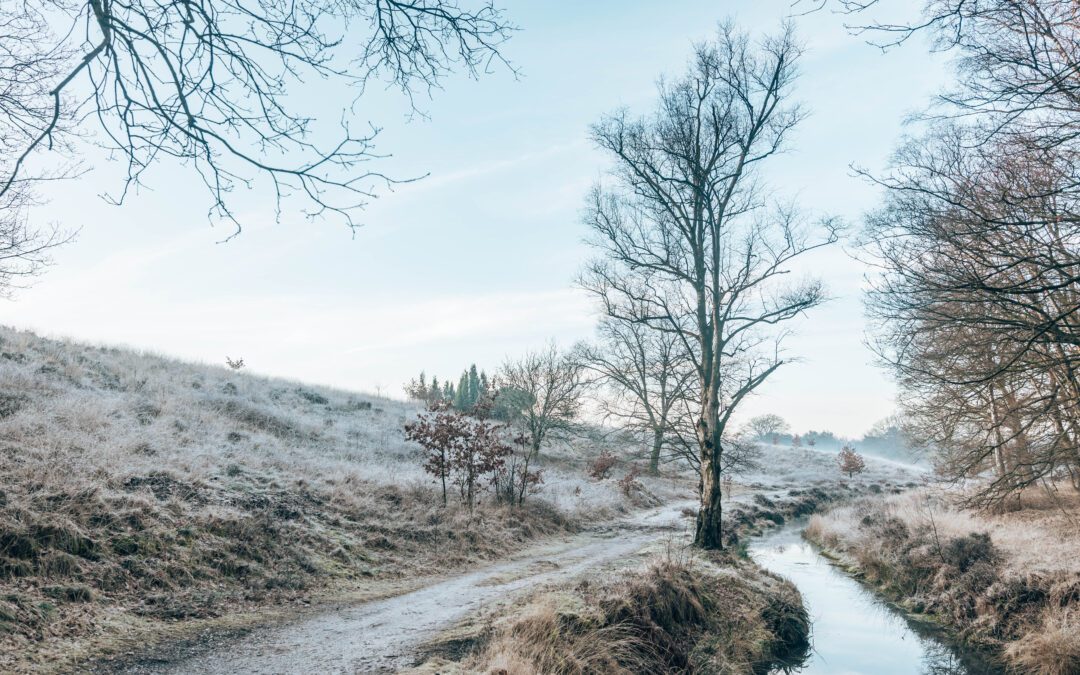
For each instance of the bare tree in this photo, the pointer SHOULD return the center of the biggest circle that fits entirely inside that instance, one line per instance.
(1017, 62)
(644, 374)
(767, 426)
(686, 236)
(977, 304)
(212, 85)
(25, 250)
(26, 74)
(544, 390)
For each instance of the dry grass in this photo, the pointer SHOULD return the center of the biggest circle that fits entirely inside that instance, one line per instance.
(679, 615)
(1008, 580)
(136, 490)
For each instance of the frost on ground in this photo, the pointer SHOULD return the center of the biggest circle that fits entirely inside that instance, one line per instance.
(138, 492)
(1007, 581)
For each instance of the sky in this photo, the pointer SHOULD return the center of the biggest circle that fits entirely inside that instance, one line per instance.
(476, 261)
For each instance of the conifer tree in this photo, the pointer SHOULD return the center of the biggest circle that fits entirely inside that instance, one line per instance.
(474, 385)
(461, 399)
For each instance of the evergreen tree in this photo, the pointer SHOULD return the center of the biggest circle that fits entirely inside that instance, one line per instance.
(448, 391)
(435, 393)
(461, 399)
(474, 385)
(485, 386)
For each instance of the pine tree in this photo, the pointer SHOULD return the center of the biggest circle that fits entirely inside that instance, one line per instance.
(461, 399)
(435, 393)
(485, 386)
(474, 385)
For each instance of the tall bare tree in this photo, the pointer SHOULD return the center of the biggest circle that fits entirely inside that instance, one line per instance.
(645, 374)
(213, 84)
(686, 234)
(977, 305)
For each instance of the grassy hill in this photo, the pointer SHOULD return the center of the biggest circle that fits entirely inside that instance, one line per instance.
(138, 492)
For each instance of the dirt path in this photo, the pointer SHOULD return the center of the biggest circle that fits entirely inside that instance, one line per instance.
(384, 636)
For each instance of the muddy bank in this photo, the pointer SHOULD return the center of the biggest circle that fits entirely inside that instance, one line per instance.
(766, 510)
(854, 629)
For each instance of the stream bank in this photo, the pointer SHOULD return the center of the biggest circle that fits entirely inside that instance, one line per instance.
(854, 630)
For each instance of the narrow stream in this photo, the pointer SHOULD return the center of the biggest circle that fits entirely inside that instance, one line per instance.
(855, 632)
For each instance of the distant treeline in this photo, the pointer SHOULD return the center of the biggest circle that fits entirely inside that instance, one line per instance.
(884, 439)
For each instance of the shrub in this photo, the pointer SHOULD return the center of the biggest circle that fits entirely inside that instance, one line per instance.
(629, 484)
(312, 397)
(965, 552)
(465, 451)
(600, 468)
(850, 462)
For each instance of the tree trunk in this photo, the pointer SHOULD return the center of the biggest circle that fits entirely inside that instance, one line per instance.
(442, 475)
(709, 534)
(654, 458)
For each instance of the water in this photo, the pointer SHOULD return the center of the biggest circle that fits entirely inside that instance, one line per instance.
(854, 632)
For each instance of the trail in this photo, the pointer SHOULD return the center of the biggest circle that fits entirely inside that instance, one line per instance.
(385, 635)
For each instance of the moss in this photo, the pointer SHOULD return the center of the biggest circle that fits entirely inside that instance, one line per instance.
(64, 538)
(10, 568)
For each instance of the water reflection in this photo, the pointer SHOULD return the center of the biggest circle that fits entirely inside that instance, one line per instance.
(854, 633)
(943, 660)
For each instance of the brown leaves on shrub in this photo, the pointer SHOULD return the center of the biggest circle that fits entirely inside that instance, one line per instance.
(600, 468)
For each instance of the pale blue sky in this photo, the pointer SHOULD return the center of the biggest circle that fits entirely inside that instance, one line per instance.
(477, 261)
